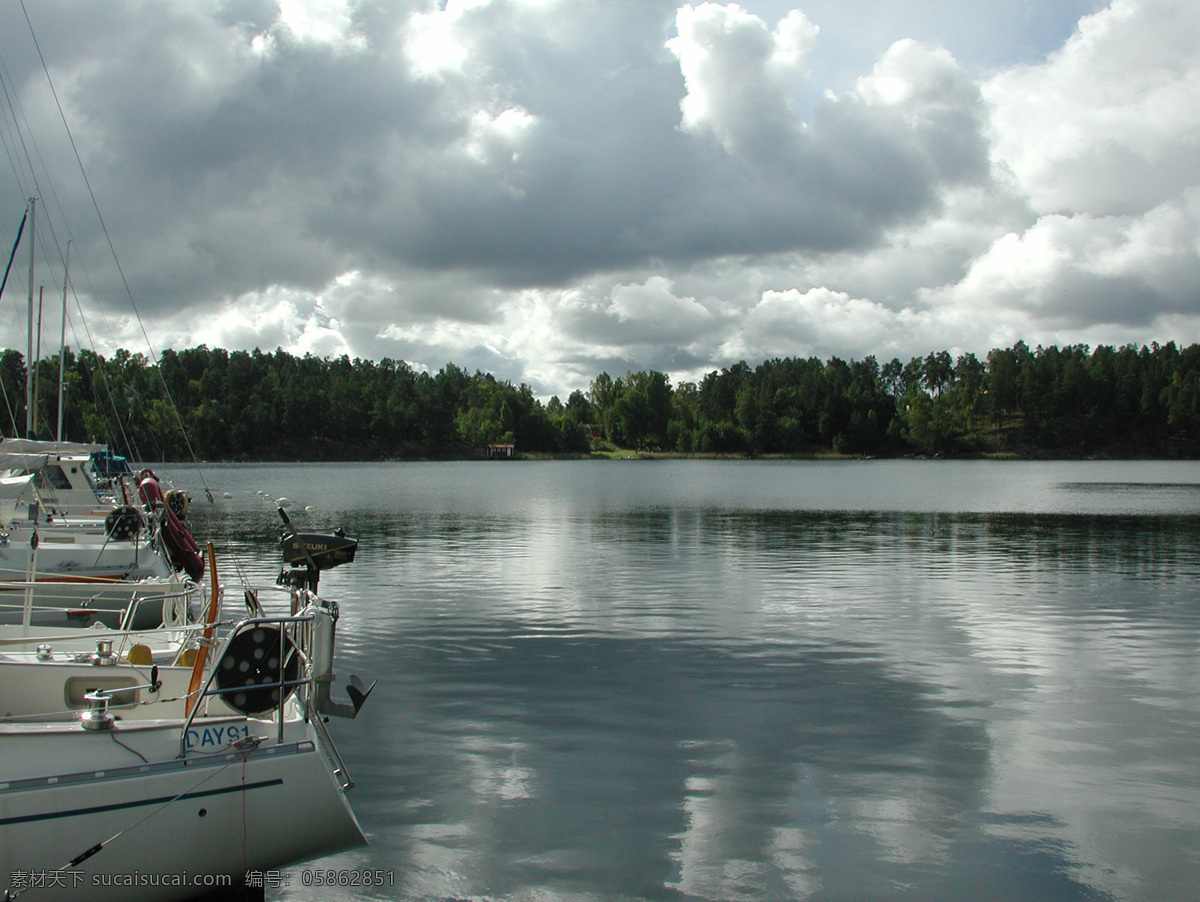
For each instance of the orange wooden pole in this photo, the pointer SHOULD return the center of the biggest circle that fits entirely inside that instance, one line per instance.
(202, 654)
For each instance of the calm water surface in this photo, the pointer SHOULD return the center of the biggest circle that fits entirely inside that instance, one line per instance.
(757, 680)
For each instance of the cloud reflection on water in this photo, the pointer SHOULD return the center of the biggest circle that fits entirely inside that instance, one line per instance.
(587, 700)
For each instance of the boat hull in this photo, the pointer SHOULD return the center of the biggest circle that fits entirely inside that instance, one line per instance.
(168, 828)
(64, 555)
(84, 603)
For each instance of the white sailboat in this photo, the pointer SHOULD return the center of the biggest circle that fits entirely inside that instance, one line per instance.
(133, 761)
(159, 762)
(85, 570)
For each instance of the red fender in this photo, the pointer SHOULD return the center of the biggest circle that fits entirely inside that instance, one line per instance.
(149, 488)
(182, 549)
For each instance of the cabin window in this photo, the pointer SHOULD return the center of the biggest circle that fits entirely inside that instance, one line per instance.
(79, 686)
(53, 477)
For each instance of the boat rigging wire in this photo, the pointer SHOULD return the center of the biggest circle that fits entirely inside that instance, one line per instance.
(113, 736)
(113, 251)
(13, 255)
(13, 106)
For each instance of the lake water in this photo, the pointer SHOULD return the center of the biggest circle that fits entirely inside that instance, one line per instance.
(756, 680)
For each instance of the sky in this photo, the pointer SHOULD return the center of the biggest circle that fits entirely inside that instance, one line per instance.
(549, 189)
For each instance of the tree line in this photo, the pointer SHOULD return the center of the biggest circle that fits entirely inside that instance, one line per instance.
(228, 405)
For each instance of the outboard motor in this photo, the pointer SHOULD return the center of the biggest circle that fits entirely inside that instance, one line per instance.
(309, 553)
(324, 639)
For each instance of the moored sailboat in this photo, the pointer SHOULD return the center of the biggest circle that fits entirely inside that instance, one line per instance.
(204, 757)
(132, 758)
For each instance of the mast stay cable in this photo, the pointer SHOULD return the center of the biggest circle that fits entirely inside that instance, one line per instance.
(113, 251)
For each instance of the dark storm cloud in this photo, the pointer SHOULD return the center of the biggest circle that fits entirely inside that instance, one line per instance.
(545, 185)
(223, 167)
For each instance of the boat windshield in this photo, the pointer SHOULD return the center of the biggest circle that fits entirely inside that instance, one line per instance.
(52, 476)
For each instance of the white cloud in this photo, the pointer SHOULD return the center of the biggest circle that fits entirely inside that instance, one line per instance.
(496, 141)
(1081, 269)
(275, 317)
(1101, 140)
(434, 47)
(742, 79)
(798, 324)
(655, 314)
(1111, 123)
(545, 189)
(327, 22)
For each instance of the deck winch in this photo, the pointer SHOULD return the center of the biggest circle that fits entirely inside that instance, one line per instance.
(96, 718)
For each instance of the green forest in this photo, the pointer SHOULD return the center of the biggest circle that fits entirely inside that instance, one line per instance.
(214, 404)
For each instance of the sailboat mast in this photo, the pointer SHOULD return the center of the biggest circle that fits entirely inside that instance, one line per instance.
(37, 354)
(62, 342)
(29, 346)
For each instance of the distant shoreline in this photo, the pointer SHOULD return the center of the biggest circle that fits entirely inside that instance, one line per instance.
(634, 455)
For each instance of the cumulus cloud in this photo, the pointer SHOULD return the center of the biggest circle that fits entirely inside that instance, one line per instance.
(1110, 123)
(1101, 139)
(794, 323)
(869, 159)
(1080, 269)
(545, 189)
(327, 22)
(646, 313)
(742, 78)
